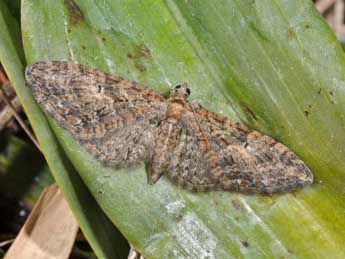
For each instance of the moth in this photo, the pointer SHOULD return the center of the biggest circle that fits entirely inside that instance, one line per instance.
(121, 123)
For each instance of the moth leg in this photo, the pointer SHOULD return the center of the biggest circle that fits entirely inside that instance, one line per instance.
(196, 105)
(165, 142)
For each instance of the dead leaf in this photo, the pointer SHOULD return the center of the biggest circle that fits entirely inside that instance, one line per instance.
(49, 231)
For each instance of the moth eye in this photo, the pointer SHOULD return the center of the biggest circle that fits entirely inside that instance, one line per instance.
(188, 91)
(178, 86)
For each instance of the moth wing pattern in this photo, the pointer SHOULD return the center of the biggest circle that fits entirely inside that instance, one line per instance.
(187, 167)
(121, 122)
(216, 153)
(113, 118)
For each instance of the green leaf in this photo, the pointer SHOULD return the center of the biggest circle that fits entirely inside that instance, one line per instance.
(273, 64)
(96, 227)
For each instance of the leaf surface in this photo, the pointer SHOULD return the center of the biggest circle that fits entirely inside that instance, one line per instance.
(274, 65)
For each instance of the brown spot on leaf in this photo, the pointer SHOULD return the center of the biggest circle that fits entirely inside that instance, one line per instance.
(141, 51)
(140, 67)
(145, 52)
(75, 14)
(306, 113)
(138, 55)
(236, 205)
(245, 243)
(332, 96)
(249, 113)
(291, 34)
(307, 110)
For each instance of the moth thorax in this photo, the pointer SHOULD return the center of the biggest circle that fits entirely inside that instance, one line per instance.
(175, 110)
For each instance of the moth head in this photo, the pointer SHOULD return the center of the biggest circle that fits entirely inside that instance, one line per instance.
(181, 91)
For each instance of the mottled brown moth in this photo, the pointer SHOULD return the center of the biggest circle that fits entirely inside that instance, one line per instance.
(121, 122)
